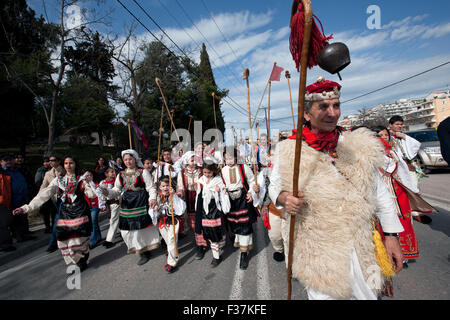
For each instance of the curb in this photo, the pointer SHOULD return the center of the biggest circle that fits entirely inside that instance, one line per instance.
(32, 245)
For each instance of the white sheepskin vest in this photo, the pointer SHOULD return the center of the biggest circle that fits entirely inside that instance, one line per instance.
(337, 212)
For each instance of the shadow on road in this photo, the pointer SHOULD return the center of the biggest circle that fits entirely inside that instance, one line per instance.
(441, 221)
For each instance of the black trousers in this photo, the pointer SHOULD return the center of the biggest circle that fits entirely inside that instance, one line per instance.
(48, 213)
(5, 225)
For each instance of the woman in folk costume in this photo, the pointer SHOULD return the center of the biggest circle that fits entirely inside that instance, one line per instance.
(113, 206)
(163, 209)
(212, 204)
(187, 190)
(336, 254)
(74, 226)
(138, 193)
(396, 176)
(241, 187)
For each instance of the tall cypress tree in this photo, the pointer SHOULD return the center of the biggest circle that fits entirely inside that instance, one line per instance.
(205, 70)
(207, 85)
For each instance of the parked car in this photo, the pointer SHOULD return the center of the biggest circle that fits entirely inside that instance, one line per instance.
(429, 156)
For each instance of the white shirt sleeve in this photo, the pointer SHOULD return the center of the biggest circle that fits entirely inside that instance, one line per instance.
(149, 184)
(258, 199)
(179, 206)
(115, 191)
(386, 208)
(224, 201)
(275, 185)
(410, 146)
(43, 196)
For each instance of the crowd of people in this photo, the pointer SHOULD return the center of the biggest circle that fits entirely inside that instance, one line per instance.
(354, 211)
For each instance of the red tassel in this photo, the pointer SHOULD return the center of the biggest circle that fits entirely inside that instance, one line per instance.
(318, 39)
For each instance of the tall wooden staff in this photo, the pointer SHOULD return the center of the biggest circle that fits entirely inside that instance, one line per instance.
(298, 139)
(159, 142)
(129, 133)
(214, 107)
(257, 126)
(288, 76)
(158, 83)
(267, 125)
(255, 168)
(190, 119)
(171, 209)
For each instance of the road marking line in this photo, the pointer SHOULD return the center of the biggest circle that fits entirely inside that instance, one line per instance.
(262, 274)
(238, 279)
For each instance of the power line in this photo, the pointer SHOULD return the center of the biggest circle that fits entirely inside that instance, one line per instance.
(140, 22)
(159, 27)
(385, 87)
(395, 83)
(235, 55)
(210, 45)
(198, 46)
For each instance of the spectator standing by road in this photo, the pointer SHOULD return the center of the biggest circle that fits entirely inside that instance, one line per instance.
(5, 213)
(20, 196)
(40, 173)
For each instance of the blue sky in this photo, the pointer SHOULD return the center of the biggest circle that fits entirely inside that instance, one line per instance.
(414, 37)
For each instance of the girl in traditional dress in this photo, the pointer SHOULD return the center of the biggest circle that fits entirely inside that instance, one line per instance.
(112, 206)
(187, 190)
(212, 204)
(241, 187)
(163, 209)
(396, 176)
(138, 193)
(74, 225)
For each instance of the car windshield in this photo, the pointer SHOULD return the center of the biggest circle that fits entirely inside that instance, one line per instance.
(424, 136)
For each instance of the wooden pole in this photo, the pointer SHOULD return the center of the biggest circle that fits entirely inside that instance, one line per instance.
(158, 83)
(252, 145)
(190, 119)
(298, 141)
(171, 208)
(267, 126)
(288, 76)
(257, 126)
(129, 133)
(159, 143)
(214, 108)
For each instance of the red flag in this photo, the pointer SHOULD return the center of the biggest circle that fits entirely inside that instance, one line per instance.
(276, 73)
(139, 134)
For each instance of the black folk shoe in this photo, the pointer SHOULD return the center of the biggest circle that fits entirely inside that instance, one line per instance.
(244, 261)
(200, 253)
(144, 257)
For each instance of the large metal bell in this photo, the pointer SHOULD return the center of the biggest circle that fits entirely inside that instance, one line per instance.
(334, 58)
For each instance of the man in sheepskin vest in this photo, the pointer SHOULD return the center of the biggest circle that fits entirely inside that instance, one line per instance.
(341, 192)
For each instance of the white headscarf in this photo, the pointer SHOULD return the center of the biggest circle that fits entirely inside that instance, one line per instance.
(135, 155)
(185, 158)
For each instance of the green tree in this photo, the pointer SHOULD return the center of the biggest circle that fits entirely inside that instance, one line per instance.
(25, 43)
(85, 94)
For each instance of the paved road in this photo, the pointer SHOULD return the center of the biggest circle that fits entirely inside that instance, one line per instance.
(114, 275)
